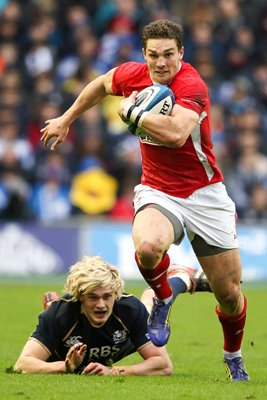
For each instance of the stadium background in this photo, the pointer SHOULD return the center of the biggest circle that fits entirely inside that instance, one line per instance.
(57, 206)
(48, 51)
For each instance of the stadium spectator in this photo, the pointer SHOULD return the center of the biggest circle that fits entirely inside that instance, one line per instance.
(12, 142)
(123, 209)
(257, 210)
(178, 150)
(248, 175)
(15, 191)
(93, 188)
(50, 200)
(96, 324)
(201, 37)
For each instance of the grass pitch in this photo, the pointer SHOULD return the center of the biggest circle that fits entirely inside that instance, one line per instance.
(195, 348)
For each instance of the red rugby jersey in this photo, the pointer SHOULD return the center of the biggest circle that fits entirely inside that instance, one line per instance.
(177, 172)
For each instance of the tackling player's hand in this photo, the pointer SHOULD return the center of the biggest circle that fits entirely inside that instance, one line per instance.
(99, 369)
(75, 357)
(54, 128)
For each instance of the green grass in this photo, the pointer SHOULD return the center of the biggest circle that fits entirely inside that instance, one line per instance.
(195, 348)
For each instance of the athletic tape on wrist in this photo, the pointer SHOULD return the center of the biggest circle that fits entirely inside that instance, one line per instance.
(135, 114)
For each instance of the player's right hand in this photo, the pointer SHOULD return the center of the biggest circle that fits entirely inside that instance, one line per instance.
(54, 128)
(125, 104)
(75, 357)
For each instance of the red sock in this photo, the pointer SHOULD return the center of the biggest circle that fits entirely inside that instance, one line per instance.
(157, 277)
(233, 328)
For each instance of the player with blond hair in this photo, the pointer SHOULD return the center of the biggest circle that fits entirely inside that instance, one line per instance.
(95, 324)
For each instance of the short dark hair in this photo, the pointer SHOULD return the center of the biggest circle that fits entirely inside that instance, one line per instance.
(163, 29)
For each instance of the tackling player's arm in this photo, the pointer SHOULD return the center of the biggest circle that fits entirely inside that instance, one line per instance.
(91, 95)
(156, 361)
(171, 131)
(34, 356)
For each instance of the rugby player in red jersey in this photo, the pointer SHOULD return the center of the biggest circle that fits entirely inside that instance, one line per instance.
(181, 188)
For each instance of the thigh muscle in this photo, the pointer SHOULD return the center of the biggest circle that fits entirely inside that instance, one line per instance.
(152, 232)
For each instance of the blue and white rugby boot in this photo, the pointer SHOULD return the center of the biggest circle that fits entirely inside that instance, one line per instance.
(158, 322)
(235, 369)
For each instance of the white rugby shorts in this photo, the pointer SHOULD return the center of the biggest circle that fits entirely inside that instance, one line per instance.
(209, 212)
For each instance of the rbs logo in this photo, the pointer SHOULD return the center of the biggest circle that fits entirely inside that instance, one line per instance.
(104, 351)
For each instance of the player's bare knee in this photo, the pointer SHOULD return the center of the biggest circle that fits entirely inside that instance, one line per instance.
(148, 260)
(230, 298)
(149, 255)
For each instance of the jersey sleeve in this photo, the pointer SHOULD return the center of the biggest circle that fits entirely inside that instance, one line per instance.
(46, 330)
(130, 76)
(118, 81)
(136, 316)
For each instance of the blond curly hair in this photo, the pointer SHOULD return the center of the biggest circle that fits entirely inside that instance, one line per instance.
(92, 273)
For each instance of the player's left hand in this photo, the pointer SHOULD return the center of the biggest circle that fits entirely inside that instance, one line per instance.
(125, 104)
(97, 369)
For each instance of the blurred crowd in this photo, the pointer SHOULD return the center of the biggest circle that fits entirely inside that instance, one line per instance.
(49, 50)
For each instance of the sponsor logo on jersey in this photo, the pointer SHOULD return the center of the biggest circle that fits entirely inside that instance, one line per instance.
(96, 353)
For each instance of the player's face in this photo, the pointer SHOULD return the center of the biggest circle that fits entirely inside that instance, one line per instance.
(98, 305)
(163, 59)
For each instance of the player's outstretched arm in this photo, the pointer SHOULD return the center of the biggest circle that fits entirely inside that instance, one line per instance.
(156, 361)
(33, 359)
(92, 94)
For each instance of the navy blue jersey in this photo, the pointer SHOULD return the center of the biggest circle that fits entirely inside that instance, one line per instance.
(63, 325)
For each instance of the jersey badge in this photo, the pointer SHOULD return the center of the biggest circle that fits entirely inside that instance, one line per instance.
(119, 336)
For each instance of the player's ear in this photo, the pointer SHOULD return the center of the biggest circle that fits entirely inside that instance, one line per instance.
(80, 297)
(181, 53)
(144, 53)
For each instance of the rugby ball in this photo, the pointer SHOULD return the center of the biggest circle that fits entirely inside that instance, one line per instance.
(157, 99)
